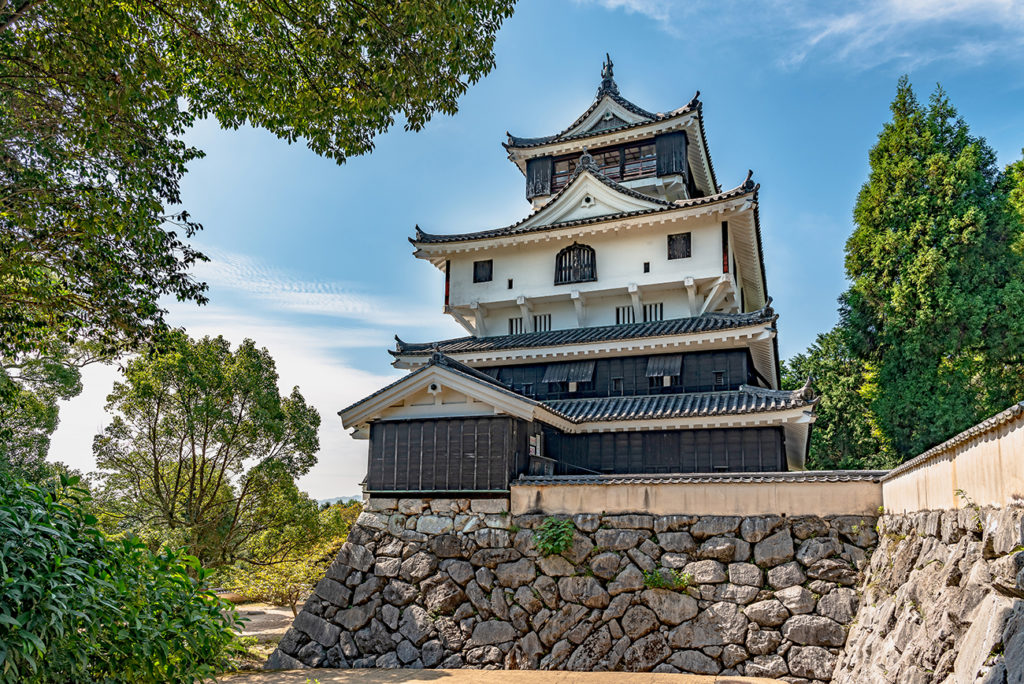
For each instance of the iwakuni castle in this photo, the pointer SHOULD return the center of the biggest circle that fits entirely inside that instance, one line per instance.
(622, 328)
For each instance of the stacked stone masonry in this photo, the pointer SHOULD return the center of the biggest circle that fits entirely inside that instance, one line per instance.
(459, 583)
(943, 601)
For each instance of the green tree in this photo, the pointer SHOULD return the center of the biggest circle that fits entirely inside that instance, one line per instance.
(841, 437)
(94, 99)
(203, 451)
(286, 574)
(933, 309)
(78, 607)
(30, 389)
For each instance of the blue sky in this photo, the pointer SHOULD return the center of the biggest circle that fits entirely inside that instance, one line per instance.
(311, 260)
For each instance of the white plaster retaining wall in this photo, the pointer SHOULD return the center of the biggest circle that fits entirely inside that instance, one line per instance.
(795, 493)
(982, 466)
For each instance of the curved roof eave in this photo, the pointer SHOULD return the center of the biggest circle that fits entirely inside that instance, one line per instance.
(523, 143)
(746, 188)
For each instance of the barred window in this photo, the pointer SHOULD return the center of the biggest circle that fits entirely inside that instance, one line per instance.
(541, 322)
(654, 312)
(624, 314)
(515, 325)
(575, 264)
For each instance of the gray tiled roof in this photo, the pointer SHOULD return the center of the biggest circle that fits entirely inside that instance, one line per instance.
(520, 142)
(606, 333)
(745, 400)
(746, 188)
(707, 478)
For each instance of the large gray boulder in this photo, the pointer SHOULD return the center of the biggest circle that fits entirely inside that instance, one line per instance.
(774, 549)
(814, 630)
(671, 607)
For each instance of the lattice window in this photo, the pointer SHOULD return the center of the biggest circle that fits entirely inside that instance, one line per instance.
(541, 322)
(624, 314)
(654, 312)
(575, 264)
(515, 325)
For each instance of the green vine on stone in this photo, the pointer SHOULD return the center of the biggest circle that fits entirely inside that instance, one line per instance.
(663, 578)
(553, 536)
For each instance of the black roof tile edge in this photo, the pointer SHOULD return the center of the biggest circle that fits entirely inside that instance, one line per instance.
(984, 426)
(708, 478)
(523, 143)
(790, 399)
(764, 315)
(745, 188)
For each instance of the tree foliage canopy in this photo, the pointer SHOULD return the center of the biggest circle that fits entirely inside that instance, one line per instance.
(78, 607)
(203, 451)
(94, 98)
(930, 339)
(841, 437)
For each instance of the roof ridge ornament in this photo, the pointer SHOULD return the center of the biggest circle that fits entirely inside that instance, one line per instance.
(586, 159)
(607, 86)
(748, 184)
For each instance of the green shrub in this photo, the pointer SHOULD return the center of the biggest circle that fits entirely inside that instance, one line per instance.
(553, 536)
(662, 578)
(78, 607)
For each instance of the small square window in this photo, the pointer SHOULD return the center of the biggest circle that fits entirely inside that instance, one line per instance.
(719, 378)
(483, 271)
(679, 246)
(647, 267)
(616, 386)
(510, 283)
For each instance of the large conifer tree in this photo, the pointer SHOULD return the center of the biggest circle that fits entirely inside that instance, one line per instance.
(935, 261)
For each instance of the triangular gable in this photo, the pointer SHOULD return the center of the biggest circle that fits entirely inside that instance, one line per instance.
(443, 382)
(588, 196)
(601, 116)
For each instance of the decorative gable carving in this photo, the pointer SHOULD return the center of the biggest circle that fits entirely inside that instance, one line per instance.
(586, 197)
(607, 110)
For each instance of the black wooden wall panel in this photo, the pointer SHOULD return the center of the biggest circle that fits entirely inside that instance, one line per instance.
(697, 376)
(447, 454)
(670, 149)
(758, 449)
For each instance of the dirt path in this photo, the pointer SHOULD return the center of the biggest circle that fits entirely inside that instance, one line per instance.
(266, 624)
(321, 676)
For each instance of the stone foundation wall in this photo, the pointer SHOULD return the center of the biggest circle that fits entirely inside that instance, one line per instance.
(942, 601)
(452, 583)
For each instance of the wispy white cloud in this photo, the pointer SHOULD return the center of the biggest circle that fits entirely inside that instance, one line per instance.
(860, 35)
(281, 291)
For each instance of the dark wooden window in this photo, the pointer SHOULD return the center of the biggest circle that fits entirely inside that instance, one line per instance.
(679, 246)
(638, 161)
(616, 387)
(620, 163)
(483, 271)
(720, 379)
(563, 171)
(575, 264)
(609, 162)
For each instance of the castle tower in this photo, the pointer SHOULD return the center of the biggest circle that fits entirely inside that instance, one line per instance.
(623, 327)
